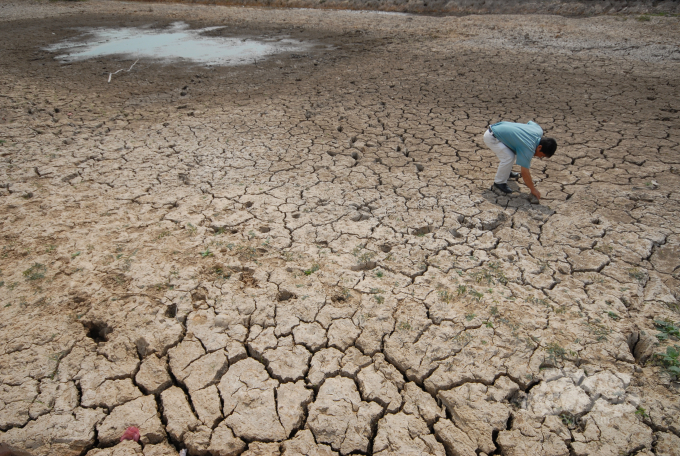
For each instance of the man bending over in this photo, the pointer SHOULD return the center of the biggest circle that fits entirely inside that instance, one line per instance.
(510, 141)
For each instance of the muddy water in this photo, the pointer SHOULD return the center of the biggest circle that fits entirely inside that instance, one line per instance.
(177, 42)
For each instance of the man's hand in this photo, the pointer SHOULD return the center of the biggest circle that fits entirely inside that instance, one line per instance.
(526, 177)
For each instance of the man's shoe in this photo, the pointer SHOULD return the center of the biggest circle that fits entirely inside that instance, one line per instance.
(514, 175)
(502, 187)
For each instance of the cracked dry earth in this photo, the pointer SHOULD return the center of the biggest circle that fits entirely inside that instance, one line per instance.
(303, 256)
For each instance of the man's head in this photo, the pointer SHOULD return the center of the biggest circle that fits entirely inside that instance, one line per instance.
(546, 148)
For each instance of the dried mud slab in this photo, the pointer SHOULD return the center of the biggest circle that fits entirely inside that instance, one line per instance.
(302, 255)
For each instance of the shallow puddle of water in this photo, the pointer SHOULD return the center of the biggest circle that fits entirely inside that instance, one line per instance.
(174, 43)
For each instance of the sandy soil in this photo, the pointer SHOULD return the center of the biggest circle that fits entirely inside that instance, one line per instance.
(303, 256)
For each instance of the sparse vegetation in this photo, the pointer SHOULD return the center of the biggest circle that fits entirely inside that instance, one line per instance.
(315, 267)
(669, 361)
(555, 352)
(404, 326)
(667, 329)
(35, 272)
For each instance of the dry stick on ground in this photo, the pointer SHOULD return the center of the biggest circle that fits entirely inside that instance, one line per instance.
(123, 69)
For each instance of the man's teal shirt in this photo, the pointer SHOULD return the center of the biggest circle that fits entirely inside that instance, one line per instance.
(522, 139)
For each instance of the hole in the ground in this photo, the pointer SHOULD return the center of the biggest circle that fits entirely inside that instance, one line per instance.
(398, 148)
(419, 167)
(355, 155)
(247, 277)
(422, 231)
(378, 160)
(248, 204)
(98, 331)
(331, 153)
(367, 266)
(360, 217)
(342, 297)
(198, 295)
(596, 222)
(353, 140)
(285, 295)
(296, 216)
(171, 311)
(322, 243)
(385, 248)
(264, 229)
(340, 129)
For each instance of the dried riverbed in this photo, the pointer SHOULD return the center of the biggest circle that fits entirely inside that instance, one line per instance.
(301, 255)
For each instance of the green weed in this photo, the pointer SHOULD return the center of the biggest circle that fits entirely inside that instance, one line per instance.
(555, 352)
(206, 253)
(641, 412)
(315, 267)
(476, 295)
(668, 329)
(470, 316)
(35, 272)
(404, 325)
(669, 361)
(445, 296)
(635, 273)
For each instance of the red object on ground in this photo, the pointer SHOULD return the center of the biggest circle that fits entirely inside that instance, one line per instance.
(131, 433)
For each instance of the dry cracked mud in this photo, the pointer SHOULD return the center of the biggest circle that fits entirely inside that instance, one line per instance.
(302, 255)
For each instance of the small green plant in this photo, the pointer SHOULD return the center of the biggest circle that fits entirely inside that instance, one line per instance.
(494, 310)
(470, 316)
(162, 234)
(641, 412)
(613, 316)
(476, 295)
(192, 229)
(379, 299)
(668, 329)
(643, 18)
(404, 325)
(50, 248)
(635, 273)
(379, 274)
(669, 361)
(488, 324)
(315, 267)
(35, 272)
(206, 253)
(365, 257)
(555, 351)
(568, 419)
(445, 296)
(462, 289)
(73, 255)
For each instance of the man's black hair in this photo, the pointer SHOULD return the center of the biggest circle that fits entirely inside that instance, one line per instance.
(548, 146)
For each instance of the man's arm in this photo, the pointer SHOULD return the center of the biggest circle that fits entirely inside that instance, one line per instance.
(526, 176)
